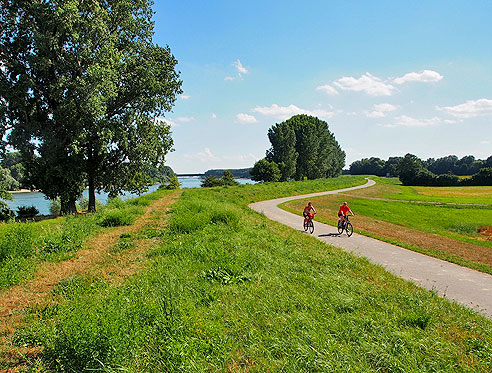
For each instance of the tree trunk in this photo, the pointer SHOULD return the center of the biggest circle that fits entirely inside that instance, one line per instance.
(92, 194)
(67, 207)
(90, 179)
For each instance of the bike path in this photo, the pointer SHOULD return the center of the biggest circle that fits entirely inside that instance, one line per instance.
(466, 286)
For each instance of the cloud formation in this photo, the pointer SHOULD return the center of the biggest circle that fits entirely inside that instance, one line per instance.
(245, 118)
(204, 156)
(240, 68)
(327, 89)
(185, 97)
(285, 112)
(375, 86)
(367, 83)
(380, 110)
(425, 76)
(469, 109)
(406, 121)
(185, 119)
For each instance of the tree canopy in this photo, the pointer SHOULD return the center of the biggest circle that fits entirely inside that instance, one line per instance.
(81, 86)
(304, 147)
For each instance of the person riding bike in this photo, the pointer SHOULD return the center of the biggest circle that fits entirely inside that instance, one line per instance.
(307, 211)
(342, 213)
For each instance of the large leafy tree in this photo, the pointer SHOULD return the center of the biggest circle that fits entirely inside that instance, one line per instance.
(81, 84)
(303, 146)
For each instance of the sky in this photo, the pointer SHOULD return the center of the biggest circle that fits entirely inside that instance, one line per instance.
(389, 77)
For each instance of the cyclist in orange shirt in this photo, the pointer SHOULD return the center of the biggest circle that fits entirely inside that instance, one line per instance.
(342, 212)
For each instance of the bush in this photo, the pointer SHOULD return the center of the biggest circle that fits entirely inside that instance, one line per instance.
(27, 212)
(55, 206)
(6, 214)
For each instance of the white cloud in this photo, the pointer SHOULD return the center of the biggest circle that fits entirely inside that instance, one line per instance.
(204, 156)
(425, 76)
(380, 110)
(285, 112)
(240, 68)
(470, 109)
(242, 158)
(214, 116)
(406, 121)
(485, 142)
(185, 119)
(367, 83)
(385, 107)
(229, 78)
(375, 114)
(328, 89)
(185, 97)
(246, 118)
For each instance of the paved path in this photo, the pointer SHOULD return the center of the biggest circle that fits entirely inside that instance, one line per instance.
(466, 286)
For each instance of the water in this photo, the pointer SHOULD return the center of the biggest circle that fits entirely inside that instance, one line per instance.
(39, 201)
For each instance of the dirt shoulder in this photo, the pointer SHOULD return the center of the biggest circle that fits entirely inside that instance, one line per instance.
(96, 259)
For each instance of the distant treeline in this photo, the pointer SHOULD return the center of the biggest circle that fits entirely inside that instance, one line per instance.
(12, 173)
(450, 164)
(413, 172)
(239, 173)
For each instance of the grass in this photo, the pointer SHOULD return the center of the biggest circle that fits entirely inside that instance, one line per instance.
(233, 291)
(24, 246)
(424, 223)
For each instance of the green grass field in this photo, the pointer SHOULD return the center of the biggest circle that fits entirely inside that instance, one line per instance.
(225, 289)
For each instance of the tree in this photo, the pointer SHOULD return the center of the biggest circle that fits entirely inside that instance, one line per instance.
(80, 88)
(283, 151)
(228, 179)
(305, 141)
(408, 168)
(264, 170)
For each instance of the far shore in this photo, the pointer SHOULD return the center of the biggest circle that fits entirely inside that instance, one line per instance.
(22, 191)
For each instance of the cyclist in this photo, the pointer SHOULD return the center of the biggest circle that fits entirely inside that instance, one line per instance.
(342, 212)
(307, 211)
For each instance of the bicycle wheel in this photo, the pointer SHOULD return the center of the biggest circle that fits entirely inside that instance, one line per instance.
(311, 226)
(306, 224)
(349, 229)
(340, 228)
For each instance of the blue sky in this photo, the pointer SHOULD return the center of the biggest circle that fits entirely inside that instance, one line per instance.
(389, 77)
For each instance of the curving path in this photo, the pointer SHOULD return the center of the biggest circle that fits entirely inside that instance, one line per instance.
(463, 285)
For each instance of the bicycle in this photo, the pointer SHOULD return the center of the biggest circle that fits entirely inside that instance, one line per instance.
(308, 223)
(345, 226)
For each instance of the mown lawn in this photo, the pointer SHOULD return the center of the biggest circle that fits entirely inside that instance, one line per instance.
(420, 219)
(225, 289)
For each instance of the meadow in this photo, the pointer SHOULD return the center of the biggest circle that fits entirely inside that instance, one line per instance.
(225, 289)
(446, 222)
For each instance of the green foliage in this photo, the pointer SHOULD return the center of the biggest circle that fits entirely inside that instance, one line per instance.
(226, 180)
(412, 172)
(6, 214)
(27, 212)
(303, 146)
(83, 107)
(172, 184)
(266, 171)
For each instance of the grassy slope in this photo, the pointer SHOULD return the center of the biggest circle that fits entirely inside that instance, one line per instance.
(228, 290)
(455, 222)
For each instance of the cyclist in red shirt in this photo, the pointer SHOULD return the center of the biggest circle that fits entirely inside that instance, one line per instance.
(307, 211)
(342, 212)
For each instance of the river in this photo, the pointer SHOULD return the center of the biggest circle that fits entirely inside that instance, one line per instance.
(39, 201)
